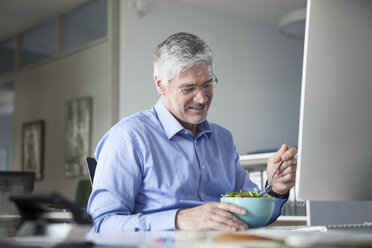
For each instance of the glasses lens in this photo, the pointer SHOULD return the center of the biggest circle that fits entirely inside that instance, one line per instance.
(189, 90)
(208, 86)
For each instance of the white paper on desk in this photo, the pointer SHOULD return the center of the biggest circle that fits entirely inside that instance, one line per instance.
(314, 235)
(328, 238)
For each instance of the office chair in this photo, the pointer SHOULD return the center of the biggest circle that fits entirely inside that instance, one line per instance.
(83, 190)
(91, 164)
(84, 187)
(12, 182)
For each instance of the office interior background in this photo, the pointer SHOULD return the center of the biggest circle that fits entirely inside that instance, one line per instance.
(53, 53)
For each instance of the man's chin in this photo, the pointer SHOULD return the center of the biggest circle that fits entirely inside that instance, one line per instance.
(197, 121)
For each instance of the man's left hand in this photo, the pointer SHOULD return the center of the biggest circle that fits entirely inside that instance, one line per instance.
(285, 177)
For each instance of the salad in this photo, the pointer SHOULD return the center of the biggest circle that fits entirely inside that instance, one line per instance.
(241, 194)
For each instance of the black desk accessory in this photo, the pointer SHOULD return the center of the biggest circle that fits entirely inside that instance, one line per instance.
(50, 219)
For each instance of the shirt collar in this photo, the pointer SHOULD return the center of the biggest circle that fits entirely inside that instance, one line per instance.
(170, 124)
(204, 128)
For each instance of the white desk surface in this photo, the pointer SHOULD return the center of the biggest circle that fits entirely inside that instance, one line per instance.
(308, 237)
(164, 239)
(299, 238)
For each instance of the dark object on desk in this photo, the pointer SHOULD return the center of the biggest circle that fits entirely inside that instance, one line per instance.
(91, 164)
(51, 207)
(68, 244)
(12, 182)
(10, 244)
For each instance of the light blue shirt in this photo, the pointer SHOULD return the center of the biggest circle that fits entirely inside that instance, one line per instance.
(149, 167)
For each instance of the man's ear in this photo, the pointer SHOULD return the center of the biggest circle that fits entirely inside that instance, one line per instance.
(159, 85)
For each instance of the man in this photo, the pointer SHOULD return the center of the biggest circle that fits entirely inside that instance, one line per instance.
(165, 168)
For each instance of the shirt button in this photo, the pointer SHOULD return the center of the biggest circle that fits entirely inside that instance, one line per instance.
(202, 195)
(186, 132)
(203, 167)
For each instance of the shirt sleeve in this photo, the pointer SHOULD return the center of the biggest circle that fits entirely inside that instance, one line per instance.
(116, 222)
(244, 183)
(116, 184)
(279, 205)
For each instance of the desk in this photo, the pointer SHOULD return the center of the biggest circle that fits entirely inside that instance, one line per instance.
(305, 237)
(155, 239)
(280, 238)
(174, 239)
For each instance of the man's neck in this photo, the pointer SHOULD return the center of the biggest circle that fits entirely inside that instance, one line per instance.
(188, 126)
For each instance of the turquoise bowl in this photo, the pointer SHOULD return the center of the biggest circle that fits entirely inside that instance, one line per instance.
(259, 210)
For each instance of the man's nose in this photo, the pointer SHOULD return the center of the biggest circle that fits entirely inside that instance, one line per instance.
(200, 96)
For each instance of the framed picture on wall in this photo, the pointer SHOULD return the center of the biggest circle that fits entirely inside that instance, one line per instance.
(78, 121)
(33, 148)
(3, 158)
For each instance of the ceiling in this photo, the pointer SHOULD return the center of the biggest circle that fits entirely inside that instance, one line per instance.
(18, 15)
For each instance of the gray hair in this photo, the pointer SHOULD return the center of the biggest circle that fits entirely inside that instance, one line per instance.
(178, 53)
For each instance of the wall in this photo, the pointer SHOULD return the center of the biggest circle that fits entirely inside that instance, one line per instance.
(41, 94)
(259, 70)
(6, 138)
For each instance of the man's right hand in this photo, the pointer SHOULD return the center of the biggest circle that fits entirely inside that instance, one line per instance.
(211, 216)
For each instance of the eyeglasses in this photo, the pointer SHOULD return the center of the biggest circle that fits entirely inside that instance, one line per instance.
(206, 87)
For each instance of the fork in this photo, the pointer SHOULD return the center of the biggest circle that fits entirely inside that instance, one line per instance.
(269, 187)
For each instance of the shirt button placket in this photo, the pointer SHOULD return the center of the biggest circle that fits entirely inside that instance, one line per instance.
(203, 169)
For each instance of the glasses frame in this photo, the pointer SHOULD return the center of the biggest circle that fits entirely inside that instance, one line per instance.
(194, 89)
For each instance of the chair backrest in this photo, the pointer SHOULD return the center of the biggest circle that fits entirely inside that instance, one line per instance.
(83, 190)
(12, 182)
(91, 164)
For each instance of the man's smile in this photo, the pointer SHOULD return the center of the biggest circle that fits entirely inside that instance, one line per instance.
(199, 109)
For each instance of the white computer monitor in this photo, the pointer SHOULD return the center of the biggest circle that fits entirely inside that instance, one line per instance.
(335, 134)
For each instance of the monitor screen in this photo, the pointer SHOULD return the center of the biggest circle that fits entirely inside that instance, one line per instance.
(335, 135)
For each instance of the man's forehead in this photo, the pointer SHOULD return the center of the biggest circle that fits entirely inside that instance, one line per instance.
(196, 71)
